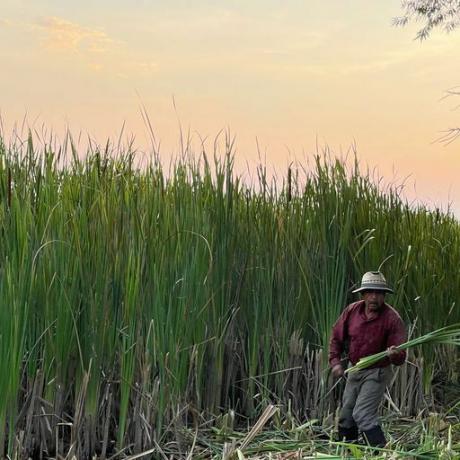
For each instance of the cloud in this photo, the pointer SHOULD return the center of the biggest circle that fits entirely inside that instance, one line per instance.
(395, 57)
(94, 48)
(145, 67)
(5, 22)
(137, 68)
(370, 66)
(295, 43)
(66, 35)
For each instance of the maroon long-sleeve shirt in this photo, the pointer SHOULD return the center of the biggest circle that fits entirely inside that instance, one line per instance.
(364, 337)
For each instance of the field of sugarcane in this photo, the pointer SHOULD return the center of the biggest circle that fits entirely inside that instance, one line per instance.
(185, 312)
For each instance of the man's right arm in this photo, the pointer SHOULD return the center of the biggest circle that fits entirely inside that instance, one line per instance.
(336, 344)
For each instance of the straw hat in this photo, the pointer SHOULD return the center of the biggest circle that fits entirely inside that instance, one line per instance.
(373, 281)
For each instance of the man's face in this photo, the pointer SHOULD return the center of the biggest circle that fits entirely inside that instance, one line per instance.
(374, 299)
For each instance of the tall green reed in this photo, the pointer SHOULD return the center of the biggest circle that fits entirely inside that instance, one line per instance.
(188, 291)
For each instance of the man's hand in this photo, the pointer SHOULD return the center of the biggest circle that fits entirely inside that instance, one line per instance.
(392, 351)
(337, 371)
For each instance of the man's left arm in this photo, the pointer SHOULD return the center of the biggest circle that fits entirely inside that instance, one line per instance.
(396, 336)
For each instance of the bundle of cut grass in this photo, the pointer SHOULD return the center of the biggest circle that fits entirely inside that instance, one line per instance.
(445, 335)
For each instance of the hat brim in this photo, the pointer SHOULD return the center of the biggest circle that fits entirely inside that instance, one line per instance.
(373, 288)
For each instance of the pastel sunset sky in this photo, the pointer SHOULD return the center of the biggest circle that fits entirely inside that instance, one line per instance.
(293, 74)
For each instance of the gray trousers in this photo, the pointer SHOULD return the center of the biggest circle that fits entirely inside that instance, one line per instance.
(362, 396)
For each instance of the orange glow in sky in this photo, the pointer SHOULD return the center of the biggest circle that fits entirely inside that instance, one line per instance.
(293, 74)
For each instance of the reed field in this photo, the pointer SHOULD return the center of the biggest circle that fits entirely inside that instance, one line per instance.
(145, 310)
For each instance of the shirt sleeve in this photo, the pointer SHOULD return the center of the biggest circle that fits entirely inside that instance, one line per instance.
(337, 342)
(397, 336)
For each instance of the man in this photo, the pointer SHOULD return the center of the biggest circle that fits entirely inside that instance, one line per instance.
(364, 328)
